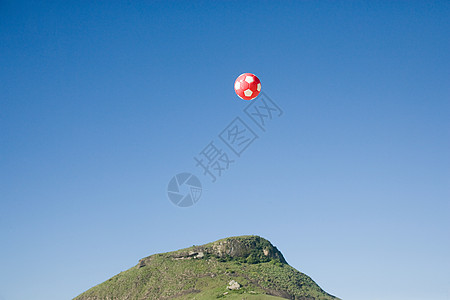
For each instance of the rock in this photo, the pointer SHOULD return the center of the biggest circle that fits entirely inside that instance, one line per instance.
(242, 247)
(233, 285)
(260, 249)
(141, 264)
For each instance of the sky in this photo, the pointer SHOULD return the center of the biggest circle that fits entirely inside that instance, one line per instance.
(103, 102)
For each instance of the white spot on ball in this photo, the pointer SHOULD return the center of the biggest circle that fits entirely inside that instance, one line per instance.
(237, 85)
(258, 87)
(249, 79)
(248, 93)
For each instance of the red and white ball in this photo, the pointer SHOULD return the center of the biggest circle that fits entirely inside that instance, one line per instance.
(247, 86)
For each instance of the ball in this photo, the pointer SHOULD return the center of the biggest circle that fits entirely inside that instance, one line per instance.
(247, 86)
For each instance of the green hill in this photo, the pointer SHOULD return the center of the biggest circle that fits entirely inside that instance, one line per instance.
(245, 267)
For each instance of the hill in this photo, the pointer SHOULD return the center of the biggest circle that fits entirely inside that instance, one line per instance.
(245, 267)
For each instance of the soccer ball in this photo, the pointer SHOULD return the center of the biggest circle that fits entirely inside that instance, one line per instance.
(247, 86)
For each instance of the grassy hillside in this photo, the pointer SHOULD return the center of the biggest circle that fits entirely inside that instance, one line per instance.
(204, 272)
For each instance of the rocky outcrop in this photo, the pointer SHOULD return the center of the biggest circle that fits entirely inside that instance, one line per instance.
(245, 246)
(251, 248)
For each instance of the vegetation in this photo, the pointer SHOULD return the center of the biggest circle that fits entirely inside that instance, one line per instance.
(203, 272)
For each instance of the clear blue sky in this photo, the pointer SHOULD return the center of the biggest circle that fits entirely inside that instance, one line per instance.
(102, 103)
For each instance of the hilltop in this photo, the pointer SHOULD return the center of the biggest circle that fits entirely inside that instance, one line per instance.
(244, 267)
